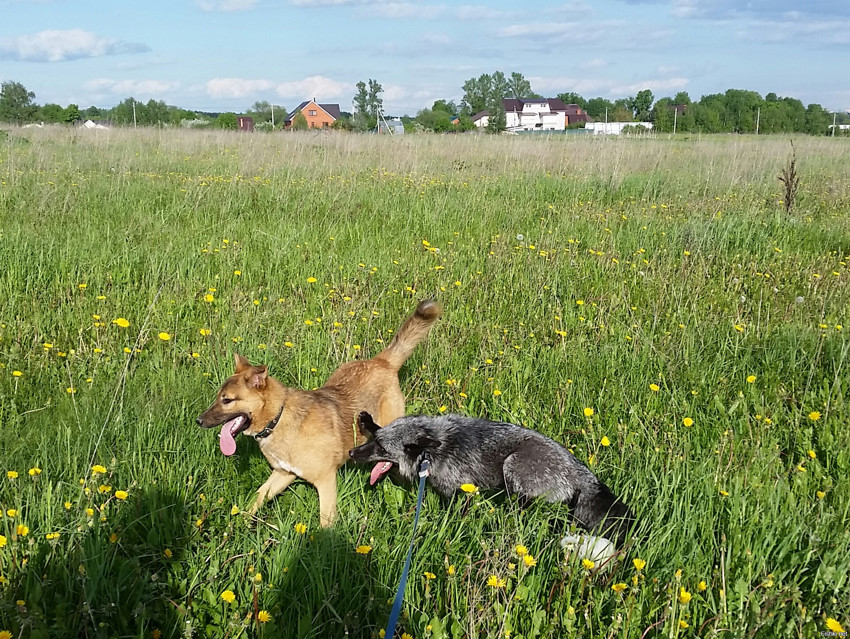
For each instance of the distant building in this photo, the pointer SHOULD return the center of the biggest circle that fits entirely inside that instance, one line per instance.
(96, 124)
(318, 116)
(614, 128)
(536, 114)
(246, 124)
(395, 126)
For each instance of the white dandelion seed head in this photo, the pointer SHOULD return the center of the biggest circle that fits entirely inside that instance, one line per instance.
(735, 280)
(520, 237)
(799, 299)
(743, 298)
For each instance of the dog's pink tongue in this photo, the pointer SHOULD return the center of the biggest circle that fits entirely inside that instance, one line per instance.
(380, 469)
(226, 442)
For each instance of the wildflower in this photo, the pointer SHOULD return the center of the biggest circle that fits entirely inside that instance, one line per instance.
(688, 422)
(684, 596)
(683, 624)
(739, 328)
(113, 538)
(17, 373)
(588, 412)
(2, 540)
(234, 510)
(751, 379)
(812, 454)
(164, 336)
(579, 302)
(228, 596)
(618, 588)
(167, 552)
(654, 388)
(12, 512)
(497, 392)
(814, 415)
(123, 323)
(5, 634)
(406, 635)
(300, 528)
(521, 550)
(820, 494)
(103, 489)
(494, 582)
(258, 578)
(97, 469)
(588, 564)
(605, 441)
(833, 625)
(724, 493)
(22, 530)
(311, 280)
(701, 586)
(451, 570)
(639, 564)
(121, 494)
(263, 616)
(469, 488)
(204, 332)
(429, 575)
(51, 536)
(288, 344)
(67, 505)
(237, 272)
(90, 512)
(12, 474)
(363, 550)
(529, 561)
(209, 297)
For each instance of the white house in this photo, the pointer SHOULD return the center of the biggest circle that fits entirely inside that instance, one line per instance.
(613, 128)
(536, 114)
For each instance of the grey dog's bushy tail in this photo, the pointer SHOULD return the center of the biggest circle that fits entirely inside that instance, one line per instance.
(413, 331)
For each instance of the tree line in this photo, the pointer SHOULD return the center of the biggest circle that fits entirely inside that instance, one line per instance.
(735, 111)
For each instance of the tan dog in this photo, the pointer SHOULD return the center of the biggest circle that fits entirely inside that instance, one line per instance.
(308, 434)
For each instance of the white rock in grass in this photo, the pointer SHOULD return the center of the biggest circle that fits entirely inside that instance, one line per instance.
(597, 549)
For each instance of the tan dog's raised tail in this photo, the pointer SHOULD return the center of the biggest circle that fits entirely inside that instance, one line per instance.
(308, 434)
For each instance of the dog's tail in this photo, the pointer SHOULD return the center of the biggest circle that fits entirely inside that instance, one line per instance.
(413, 331)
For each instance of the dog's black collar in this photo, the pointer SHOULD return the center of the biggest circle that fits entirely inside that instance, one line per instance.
(269, 427)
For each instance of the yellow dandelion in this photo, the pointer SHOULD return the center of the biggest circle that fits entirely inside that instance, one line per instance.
(122, 322)
(258, 578)
(529, 561)
(497, 392)
(113, 538)
(168, 554)
(12, 474)
(205, 332)
(5, 634)
(17, 373)
(22, 530)
(654, 388)
(234, 510)
(521, 550)
(209, 297)
(363, 550)
(164, 336)
(263, 616)
(494, 582)
(820, 494)
(311, 280)
(2, 541)
(451, 569)
(12, 512)
(228, 596)
(97, 469)
(684, 596)
(300, 528)
(814, 415)
(588, 412)
(469, 488)
(67, 505)
(429, 575)
(812, 454)
(121, 494)
(605, 441)
(639, 564)
(103, 489)
(751, 379)
(834, 625)
(683, 624)
(618, 587)
(724, 493)
(588, 564)
(688, 422)
(701, 586)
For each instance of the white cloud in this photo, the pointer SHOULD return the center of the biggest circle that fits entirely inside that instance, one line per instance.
(146, 88)
(594, 63)
(404, 10)
(58, 45)
(316, 86)
(656, 86)
(561, 32)
(236, 87)
(394, 93)
(226, 5)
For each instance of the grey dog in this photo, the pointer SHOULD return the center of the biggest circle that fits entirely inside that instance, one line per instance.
(493, 455)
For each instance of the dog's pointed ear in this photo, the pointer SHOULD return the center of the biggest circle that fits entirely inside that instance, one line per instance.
(258, 376)
(365, 421)
(242, 363)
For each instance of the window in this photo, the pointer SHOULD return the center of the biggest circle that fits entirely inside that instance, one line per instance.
(312, 112)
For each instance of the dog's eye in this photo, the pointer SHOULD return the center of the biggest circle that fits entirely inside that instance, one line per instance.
(227, 400)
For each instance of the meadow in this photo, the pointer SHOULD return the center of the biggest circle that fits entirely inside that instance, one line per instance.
(650, 303)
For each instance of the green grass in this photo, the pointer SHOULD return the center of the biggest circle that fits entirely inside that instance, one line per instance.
(641, 262)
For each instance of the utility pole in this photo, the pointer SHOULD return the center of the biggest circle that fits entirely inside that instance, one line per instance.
(833, 123)
(134, 113)
(758, 120)
(272, 117)
(675, 117)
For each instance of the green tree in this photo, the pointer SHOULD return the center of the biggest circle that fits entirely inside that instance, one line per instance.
(662, 116)
(264, 111)
(71, 113)
(519, 87)
(299, 122)
(52, 113)
(16, 103)
(497, 122)
(817, 120)
(598, 107)
(641, 105)
(682, 97)
(367, 105)
(573, 98)
(226, 121)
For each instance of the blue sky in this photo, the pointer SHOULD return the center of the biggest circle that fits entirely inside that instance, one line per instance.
(217, 55)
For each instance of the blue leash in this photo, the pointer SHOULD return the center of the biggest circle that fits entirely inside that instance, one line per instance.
(424, 471)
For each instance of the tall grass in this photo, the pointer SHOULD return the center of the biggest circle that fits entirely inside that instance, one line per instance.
(575, 274)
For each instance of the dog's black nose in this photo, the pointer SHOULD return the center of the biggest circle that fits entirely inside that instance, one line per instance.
(199, 422)
(351, 453)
